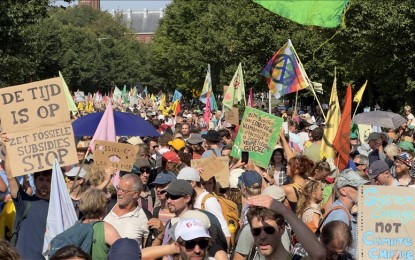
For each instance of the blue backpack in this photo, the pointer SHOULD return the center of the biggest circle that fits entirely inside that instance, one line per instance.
(80, 235)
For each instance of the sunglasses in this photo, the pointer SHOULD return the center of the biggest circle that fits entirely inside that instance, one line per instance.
(173, 197)
(145, 170)
(191, 244)
(268, 230)
(358, 164)
(71, 178)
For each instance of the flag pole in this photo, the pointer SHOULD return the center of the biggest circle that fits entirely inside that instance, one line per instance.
(269, 101)
(355, 110)
(310, 84)
(77, 174)
(295, 106)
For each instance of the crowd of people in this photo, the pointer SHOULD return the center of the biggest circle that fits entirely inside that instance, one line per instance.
(299, 207)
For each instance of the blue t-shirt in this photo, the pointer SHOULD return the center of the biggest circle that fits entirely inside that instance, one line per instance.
(33, 228)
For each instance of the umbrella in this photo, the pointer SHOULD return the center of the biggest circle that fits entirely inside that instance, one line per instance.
(126, 124)
(379, 118)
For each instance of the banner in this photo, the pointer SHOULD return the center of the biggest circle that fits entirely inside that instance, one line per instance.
(36, 118)
(386, 222)
(257, 135)
(118, 155)
(232, 116)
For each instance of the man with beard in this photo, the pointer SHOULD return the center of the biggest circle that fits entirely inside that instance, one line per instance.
(185, 131)
(126, 216)
(266, 218)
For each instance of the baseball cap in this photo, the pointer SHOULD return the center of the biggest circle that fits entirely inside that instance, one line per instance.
(249, 178)
(163, 178)
(125, 248)
(350, 178)
(372, 136)
(199, 215)
(190, 228)
(353, 136)
(74, 171)
(376, 168)
(405, 158)
(406, 146)
(177, 143)
(179, 188)
(275, 192)
(188, 174)
(171, 157)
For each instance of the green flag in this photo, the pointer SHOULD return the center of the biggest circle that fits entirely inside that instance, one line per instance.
(324, 13)
(71, 104)
(236, 90)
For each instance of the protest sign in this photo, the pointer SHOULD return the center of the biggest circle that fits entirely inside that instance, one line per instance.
(257, 135)
(117, 155)
(36, 118)
(232, 116)
(79, 96)
(386, 222)
(220, 170)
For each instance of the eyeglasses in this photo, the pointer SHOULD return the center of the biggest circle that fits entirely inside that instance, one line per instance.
(124, 191)
(191, 244)
(173, 197)
(268, 230)
(223, 190)
(145, 170)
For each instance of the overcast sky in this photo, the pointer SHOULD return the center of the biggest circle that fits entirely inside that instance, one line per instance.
(127, 4)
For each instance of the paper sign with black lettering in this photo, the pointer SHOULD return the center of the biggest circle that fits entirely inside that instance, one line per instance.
(33, 105)
(386, 222)
(36, 149)
(232, 116)
(257, 135)
(117, 155)
(214, 166)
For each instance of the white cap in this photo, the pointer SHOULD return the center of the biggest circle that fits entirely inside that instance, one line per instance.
(188, 174)
(161, 117)
(233, 178)
(74, 171)
(190, 228)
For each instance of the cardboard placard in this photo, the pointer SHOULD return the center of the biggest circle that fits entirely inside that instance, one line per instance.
(33, 105)
(36, 118)
(386, 222)
(221, 173)
(36, 149)
(257, 135)
(232, 116)
(117, 155)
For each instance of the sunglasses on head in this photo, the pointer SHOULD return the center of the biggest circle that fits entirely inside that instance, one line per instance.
(173, 197)
(191, 244)
(268, 230)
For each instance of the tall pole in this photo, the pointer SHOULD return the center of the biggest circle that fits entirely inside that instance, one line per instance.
(269, 101)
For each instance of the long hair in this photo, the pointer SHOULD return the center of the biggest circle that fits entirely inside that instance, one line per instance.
(305, 197)
(320, 166)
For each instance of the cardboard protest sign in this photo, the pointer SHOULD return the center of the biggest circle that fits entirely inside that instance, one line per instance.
(117, 155)
(36, 118)
(220, 170)
(257, 135)
(386, 222)
(232, 116)
(33, 105)
(36, 149)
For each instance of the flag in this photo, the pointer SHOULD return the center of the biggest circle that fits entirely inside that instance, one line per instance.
(124, 95)
(283, 72)
(331, 126)
(162, 103)
(206, 116)
(145, 91)
(236, 90)
(61, 212)
(207, 88)
(250, 98)
(342, 140)
(321, 13)
(358, 96)
(177, 95)
(177, 107)
(116, 94)
(69, 99)
(152, 98)
(106, 128)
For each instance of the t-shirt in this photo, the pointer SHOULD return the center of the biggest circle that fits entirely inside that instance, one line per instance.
(32, 229)
(217, 151)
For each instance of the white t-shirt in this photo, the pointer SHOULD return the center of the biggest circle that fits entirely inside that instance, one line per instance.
(212, 205)
(411, 117)
(132, 225)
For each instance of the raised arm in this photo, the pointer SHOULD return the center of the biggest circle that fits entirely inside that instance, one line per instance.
(287, 149)
(13, 184)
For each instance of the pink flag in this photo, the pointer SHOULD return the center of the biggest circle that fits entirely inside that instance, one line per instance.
(207, 111)
(250, 98)
(106, 128)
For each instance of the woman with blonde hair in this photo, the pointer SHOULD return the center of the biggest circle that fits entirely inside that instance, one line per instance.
(308, 208)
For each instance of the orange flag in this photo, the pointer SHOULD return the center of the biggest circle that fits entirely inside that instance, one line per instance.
(342, 140)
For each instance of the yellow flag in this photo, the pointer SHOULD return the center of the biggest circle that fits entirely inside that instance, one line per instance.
(152, 97)
(358, 96)
(332, 124)
(162, 103)
(80, 106)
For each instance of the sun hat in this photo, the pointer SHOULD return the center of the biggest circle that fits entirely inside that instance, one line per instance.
(350, 178)
(195, 139)
(74, 171)
(188, 174)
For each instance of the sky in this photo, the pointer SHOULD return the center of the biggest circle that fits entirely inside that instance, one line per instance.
(108, 5)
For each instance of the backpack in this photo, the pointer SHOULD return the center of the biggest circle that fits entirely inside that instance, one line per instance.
(80, 235)
(229, 209)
